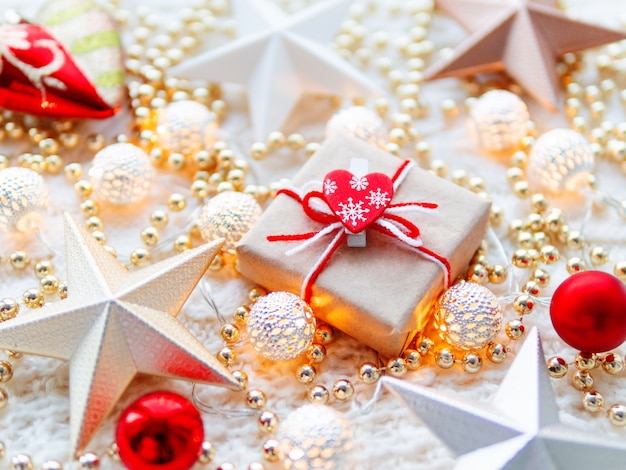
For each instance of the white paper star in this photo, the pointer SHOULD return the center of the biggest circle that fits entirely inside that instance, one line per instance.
(280, 58)
(519, 429)
(115, 324)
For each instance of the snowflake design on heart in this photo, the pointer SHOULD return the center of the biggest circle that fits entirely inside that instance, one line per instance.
(378, 198)
(330, 187)
(352, 211)
(359, 183)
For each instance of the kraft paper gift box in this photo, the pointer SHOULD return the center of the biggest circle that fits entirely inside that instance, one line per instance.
(381, 294)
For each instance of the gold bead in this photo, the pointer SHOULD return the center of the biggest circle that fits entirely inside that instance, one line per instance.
(53, 164)
(229, 333)
(94, 224)
(412, 359)
(522, 259)
(242, 379)
(276, 140)
(176, 161)
(44, 268)
(541, 239)
(62, 291)
(575, 265)
(150, 236)
(19, 259)
(207, 453)
(575, 240)
(241, 314)
(423, 151)
(393, 148)
(593, 401)
(140, 256)
(296, 141)
(256, 293)
(176, 202)
(525, 239)
(228, 465)
(496, 216)
(516, 226)
(324, 334)
(200, 189)
(95, 142)
(617, 415)
(478, 273)
(439, 168)
(496, 352)
(88, 461)
(89, 208)
(159, 218)
(598, 255)
(582, 380)
(4, 398)
(550, 254)
(49, 284)
(396, 367)
(83, 189)
(6, 371)
(620, 270)
(33, 298)
(541, 277)
(316, 353)
(343, 390)
(612, 363)
(445, 358)
(472, 363)
(557, 367)
(515, 329)
(515, 174)
(318, 394)
(255, 399)
(532, 288)
(9, 308)
(226, 355)
(521, 189)
(270, 450)
(534, 222)
(585, 361)
(369, 373)
(459, 177)
(306, 374)
(110, 250)
(425, 345)
(268, 421)
(311, 148)
(497, 274)
(21, 462)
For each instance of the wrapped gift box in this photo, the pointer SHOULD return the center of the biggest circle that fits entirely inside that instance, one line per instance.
(383, 293)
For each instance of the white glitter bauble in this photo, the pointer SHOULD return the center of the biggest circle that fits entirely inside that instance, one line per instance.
(186, 127)
(121, 174)
(23, 199)
(281, 326)
(498, 120)
(229, 215)
(560, 160)
(469, 316)
(314, 437)
(360, 122)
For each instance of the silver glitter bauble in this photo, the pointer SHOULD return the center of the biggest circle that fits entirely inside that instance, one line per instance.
(23, 199)
(121, 174)
(360, 122)
(314, 437)
(186, 127)
(498, 120)
(229, 215)
(469, 316)
(281, 326)
(560, 160)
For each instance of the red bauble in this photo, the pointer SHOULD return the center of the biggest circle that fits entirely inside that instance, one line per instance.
(588, 311)
(160, 431)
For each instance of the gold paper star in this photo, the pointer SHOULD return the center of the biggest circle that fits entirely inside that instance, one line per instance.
(523, 38)
(519, 430)
(115, 324)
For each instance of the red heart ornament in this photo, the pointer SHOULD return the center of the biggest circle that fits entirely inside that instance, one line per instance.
(357, 200)
(69, 66)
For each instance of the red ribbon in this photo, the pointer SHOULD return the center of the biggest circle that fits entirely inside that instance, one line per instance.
(389, 223)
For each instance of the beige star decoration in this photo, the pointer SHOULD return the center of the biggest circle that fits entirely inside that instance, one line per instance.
(519, 430)
(523, 38)
(115, 324)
